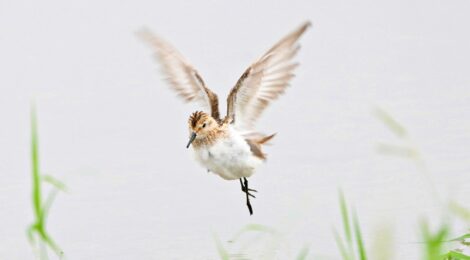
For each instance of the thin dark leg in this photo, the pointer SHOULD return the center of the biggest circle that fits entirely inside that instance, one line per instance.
(248, 204)
(245, 189)
(241, 183)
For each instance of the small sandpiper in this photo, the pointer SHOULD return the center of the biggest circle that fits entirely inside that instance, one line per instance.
(230, 147)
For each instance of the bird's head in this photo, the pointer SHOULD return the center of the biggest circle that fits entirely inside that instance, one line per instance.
(200, 125)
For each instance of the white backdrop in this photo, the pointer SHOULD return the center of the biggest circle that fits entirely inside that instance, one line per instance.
(115, 134)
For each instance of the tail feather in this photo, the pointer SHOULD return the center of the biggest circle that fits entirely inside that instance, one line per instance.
(255, 145)
(265, 139)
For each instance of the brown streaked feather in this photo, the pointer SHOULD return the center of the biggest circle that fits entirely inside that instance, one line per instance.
(196, 117)
(181, 76)
(266, 139)
(256, 149)
(255, 145)
(264, 81)
(210, 138)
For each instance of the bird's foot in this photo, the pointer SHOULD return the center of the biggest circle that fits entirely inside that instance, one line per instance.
(247, 191)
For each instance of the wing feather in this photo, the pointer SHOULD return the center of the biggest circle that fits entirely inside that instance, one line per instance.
(182, 77)
(264, 81)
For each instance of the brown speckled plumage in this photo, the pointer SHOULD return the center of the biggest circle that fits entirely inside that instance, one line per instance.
(262, 82)
(230, 147)
(196, 117)
(210, 138)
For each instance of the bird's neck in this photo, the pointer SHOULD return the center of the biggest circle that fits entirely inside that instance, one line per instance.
(210, 138)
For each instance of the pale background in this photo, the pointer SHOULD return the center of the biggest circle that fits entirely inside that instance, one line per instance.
(115, 134)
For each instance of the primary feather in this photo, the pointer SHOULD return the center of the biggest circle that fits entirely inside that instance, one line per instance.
(182, 77)
(264, 81)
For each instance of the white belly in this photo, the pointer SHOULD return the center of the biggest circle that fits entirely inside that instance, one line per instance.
(230, 158)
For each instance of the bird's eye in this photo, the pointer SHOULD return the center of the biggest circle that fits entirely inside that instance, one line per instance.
(203, 125)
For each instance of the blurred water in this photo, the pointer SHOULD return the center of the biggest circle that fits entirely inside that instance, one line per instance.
(113, 132)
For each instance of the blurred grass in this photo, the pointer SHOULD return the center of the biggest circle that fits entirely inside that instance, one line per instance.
(392, 124)
(434, 241)
(460, 211)
(223, 254)
(256, 241)
(383, 244)
(351, 245)
(461, 238)
(407, 149)
(303, 253)
(254, 228)
(455, 255)
(435, 244)
(37, 233)
(348, 241)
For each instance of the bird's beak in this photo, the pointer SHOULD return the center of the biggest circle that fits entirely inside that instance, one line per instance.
(191, 139)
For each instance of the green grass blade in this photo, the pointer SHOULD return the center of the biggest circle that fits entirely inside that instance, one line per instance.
(36, 194)
(54, 182)
(259, 228)
(254, 228)
(360, 243)
(50, 242)
(30, 234)
(460, 211)
(345, 217)
(303, 253)
(341, 246)
(396, 150)
(223, 254)
(40, 209)
(434, 241)
(48, 203)
(454, 255)
(460, 238)
(390, 122)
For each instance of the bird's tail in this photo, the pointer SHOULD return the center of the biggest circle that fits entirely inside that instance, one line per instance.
(265, 139)
(255, 143)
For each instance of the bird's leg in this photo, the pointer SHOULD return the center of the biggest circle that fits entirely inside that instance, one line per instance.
(247, 192)
(246, 189)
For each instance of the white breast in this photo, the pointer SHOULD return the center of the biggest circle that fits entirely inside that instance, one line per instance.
(230, 157)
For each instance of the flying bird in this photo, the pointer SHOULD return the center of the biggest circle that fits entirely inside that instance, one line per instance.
(230, 146)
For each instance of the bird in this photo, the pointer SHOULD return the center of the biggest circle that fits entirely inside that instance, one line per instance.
(230, 147)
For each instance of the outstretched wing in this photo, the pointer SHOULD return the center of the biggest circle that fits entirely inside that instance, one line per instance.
(181, 76)
(264, 81)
